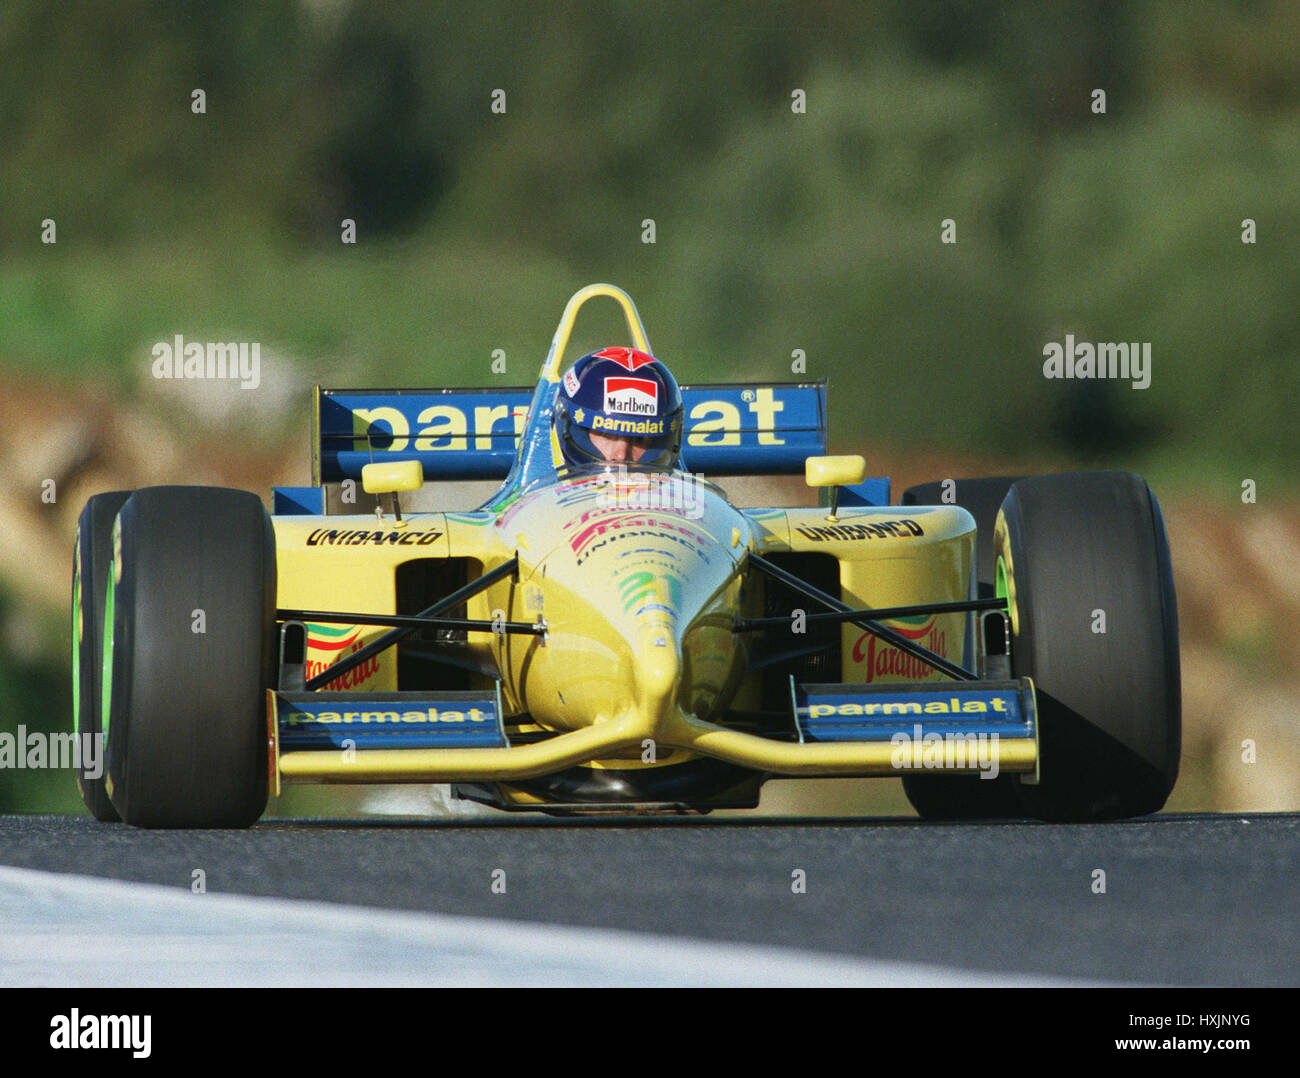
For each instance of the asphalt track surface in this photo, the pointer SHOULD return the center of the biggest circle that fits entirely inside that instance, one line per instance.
(1188, 899)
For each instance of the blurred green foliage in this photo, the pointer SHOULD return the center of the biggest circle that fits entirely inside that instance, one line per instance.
(775, 230)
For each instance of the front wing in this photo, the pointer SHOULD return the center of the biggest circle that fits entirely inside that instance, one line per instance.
(974, 727)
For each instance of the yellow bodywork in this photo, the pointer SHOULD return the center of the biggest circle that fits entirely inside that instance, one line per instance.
(639, 579)
(644, 656)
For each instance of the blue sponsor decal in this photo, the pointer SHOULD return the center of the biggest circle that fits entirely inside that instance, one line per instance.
(457, 433)
(324, 721)
(877, 713)
(473, 433)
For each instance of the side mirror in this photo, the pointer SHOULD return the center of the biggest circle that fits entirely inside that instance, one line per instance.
(390, 477)
(834, 472)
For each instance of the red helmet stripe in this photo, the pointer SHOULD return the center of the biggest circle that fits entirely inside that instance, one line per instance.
(628, 358)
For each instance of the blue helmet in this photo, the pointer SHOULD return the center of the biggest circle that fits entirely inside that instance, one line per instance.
(619, 401)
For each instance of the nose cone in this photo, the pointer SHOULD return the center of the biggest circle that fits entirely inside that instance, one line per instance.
(656, 672)
(639, 601)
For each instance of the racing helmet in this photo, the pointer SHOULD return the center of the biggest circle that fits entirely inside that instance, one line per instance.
(618, 393)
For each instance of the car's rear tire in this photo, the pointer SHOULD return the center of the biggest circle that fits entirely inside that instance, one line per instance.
(1084, 560)
(92, 559)
(966, 797)
(189, 657)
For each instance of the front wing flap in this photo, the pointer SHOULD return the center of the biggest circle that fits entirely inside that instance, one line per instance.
(850, 730)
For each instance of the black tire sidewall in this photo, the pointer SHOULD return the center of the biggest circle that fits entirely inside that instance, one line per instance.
(187, 730)
(1108, 702)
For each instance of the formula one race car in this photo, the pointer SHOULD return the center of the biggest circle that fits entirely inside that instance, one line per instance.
(622, 637)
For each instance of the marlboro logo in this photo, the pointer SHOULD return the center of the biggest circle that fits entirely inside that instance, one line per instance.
(631, 396)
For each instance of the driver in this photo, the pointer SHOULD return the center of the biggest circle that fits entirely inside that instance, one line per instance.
(617, 405)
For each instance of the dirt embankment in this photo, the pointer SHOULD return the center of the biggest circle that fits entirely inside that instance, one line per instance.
(1236, 568)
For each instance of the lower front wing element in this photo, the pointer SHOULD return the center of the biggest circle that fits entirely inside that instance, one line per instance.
(845, 730)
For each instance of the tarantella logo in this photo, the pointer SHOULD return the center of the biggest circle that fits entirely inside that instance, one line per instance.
(326, 644)
(211, 360)
(884, 662)
(631, 396)
(1083, 359)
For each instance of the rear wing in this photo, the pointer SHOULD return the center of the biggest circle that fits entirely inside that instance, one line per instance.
(457, 434)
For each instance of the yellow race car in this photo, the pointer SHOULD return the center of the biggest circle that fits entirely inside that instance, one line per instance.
(621, 637)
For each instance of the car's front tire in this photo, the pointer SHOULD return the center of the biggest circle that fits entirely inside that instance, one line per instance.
(188, 657)
(1084, 561)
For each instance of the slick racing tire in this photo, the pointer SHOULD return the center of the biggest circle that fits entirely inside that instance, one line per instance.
(1084, 562)
(91, 560)
(188, 657)
(966, 797)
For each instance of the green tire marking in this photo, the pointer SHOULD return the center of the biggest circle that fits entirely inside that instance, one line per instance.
(106, 672)
(76, 641)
